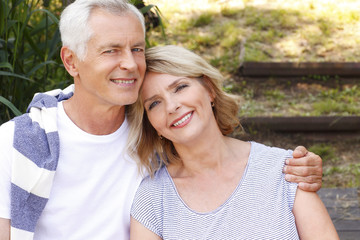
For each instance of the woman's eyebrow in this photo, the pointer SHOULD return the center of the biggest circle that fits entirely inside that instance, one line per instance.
(150, 99)
(174, 83)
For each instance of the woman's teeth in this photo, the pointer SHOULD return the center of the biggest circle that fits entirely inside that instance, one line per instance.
(182, 120)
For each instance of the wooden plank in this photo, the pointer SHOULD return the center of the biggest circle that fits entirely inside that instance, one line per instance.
(343, 206)
(349, 235)
(263, 69)
(303, 124)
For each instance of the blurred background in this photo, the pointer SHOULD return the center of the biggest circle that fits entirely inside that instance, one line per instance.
(229, 34)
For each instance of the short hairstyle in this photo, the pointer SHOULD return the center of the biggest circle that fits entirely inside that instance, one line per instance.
(179, 61)
(74, 21)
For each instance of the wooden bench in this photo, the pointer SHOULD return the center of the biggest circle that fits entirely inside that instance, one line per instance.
(343, 205)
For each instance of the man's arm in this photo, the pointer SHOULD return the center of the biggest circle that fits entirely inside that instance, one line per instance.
(311, 217)
(305, 168)
(4, 229)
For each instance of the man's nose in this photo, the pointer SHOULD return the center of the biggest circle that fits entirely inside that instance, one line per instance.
(127, 61)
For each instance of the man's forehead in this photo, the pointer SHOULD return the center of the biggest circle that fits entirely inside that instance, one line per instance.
(112, 33)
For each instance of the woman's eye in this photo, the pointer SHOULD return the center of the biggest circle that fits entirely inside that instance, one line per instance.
(180, 87)
(153, 104)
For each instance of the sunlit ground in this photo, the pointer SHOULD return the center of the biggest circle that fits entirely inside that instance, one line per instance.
(273, 30)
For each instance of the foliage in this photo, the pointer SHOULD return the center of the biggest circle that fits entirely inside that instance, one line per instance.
(326, 151)
(29, 53)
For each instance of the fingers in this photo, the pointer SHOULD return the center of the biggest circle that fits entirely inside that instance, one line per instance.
(314, 179)
(311, 159)
(304, 171)
(305, 168)
(310, 187)
(300, 151)
(309, 184)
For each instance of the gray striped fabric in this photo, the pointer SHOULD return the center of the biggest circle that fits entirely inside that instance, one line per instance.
(259, 208)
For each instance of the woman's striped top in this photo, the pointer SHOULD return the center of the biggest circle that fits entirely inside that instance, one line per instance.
(259, 208)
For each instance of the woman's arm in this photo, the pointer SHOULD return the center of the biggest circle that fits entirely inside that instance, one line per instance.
(138, 231)
(4, 229)
(311, 217)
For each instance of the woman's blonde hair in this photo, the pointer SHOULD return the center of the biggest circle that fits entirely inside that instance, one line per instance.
(174, 60)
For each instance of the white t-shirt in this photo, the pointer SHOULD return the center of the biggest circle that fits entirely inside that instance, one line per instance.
(93, 188)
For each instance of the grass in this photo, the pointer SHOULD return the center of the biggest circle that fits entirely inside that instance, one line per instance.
(307, 30)
(326, 151)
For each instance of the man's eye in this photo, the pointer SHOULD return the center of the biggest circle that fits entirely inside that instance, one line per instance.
(109, 51)
(181, 87)
(137, 50)
(153, 104)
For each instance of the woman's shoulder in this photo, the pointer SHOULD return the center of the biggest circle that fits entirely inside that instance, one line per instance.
(152, 183)
(262, 151)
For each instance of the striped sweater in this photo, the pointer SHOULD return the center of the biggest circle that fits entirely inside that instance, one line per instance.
(36, 154)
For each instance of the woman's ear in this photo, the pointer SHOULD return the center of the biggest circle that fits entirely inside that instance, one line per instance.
(69, 59)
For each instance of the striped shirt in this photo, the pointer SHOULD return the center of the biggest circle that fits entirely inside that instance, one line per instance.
(259, 208)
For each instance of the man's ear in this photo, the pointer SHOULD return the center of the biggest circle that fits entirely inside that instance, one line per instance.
(70, 61)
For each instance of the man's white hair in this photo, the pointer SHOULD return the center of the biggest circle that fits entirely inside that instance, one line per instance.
(74, 21)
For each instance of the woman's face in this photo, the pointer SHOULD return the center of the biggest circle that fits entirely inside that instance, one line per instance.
(179, 108)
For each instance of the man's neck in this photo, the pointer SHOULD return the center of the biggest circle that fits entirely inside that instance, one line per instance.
(92, 118)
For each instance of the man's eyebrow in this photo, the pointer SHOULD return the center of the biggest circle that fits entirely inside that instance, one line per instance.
(117, 45)
(141, 44)
(109, 45)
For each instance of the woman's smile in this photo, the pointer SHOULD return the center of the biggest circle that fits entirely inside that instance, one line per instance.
(183, 121)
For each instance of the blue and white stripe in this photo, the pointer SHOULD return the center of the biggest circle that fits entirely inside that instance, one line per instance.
(36, 154)
(259, 208)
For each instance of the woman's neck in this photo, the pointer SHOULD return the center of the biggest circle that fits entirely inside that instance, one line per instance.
(206, 154)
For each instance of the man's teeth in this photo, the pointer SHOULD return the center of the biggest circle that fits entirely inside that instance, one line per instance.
(124, 81)
(182, 120)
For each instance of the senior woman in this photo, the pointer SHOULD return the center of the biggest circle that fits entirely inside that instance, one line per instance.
(208, 185)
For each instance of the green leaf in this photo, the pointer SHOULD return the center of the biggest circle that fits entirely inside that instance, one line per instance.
(40, 66)
(3, 73)
(50, 14)
(10, 105)
(6, 65)
(147, 8)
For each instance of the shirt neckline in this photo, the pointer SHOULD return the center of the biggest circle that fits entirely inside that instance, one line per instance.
(227, 200)
(121, 130)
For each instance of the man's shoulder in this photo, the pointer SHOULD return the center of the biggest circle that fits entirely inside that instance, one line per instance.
(7, 130)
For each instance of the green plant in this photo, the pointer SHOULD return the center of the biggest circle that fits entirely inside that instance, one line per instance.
(274, 94)
(229, 12)
(203, 20)
(326, 151)
(29, 53)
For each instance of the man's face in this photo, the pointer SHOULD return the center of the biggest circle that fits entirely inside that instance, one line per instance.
(114, 67)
